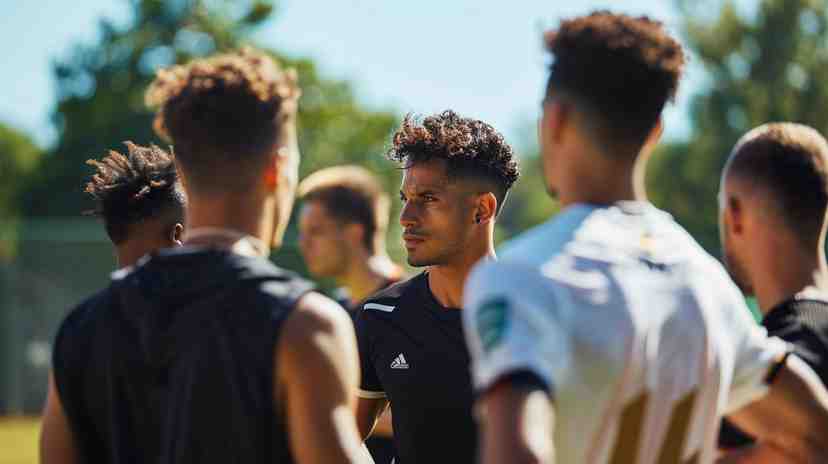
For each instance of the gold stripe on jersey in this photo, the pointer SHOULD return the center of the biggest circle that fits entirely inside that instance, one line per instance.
(628, 442)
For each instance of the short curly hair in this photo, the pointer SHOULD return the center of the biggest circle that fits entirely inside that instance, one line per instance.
(351, 194)
(622, 68)
(470, 148)
(222, 108)
(131, 188)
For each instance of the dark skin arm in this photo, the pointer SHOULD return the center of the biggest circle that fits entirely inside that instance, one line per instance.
(385, 425)
(517, 427)
(792, 419)
(57, 446)
(764, 453)
(367, 413)
(318, 372)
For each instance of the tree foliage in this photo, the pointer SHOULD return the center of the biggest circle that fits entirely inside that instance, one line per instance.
(18, 158)
(100, 90)
(528, 204)
(769, 67)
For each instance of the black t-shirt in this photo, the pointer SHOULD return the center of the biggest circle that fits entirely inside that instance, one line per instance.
(173, 362)
(413, 353)
(803, 323)
(381, 448)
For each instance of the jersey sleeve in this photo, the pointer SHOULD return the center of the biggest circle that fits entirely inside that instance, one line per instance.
(755, 354)
(513, 325)
(369, 386)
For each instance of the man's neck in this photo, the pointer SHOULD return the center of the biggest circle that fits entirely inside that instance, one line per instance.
(785, 272)
(446, 281)
(130, 251)
(229, 212)
(127, 256)
(619, 182)
(366, 275)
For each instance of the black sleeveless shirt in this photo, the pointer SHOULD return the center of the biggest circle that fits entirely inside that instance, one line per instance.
(173, 362)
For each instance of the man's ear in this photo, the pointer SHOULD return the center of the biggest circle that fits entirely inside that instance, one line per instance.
(270, 175)
(177, 234)
(735, 215)
(653, 137)
(486, 208)
(556, 115)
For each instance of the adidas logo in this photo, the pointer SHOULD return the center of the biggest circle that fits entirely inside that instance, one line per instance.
(399, 362)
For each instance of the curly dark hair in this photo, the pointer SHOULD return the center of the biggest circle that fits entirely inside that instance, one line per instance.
(130, 188)
(790, 162)
(470, 148)
(624, 69)
(221, 108)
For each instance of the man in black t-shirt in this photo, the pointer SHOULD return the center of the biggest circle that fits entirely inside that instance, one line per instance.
(773, 200)
(209, 353)
(457, 172)
(342, 226)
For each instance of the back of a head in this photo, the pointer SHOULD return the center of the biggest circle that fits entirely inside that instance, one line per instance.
(790, 163)
(620, 71)
(351, 194)
(223, 114)
(470, 148)
(136, 187)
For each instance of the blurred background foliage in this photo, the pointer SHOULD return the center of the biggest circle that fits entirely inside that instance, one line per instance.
(769, 66)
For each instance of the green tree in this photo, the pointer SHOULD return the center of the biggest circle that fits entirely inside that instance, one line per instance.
(528, 204)
(100, 90)
(769, 67)
(19, 157)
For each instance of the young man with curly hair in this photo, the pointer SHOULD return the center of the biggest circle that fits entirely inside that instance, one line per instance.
(140, 199)
(342, 226)
(457, 172)
(209, 353)
(607, 335)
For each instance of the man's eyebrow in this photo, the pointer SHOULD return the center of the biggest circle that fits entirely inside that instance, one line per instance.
(423, 192)
(430, 188)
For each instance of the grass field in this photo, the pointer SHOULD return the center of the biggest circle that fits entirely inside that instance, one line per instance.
(18, 440)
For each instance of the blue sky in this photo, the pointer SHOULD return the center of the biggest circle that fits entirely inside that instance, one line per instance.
(482, 58)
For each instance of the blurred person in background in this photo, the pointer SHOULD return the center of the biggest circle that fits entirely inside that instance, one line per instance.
(457, 172)
(140, 199)
(342, 227)
(773, 200)
(607, 334)
(209, 353)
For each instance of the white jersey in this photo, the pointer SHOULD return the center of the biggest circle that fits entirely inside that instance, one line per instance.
(641, 337)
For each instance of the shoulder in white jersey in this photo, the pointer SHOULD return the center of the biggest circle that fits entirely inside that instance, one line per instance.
(640, 336)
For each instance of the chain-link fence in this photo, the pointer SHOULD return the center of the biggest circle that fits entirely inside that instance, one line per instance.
(59, 262)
